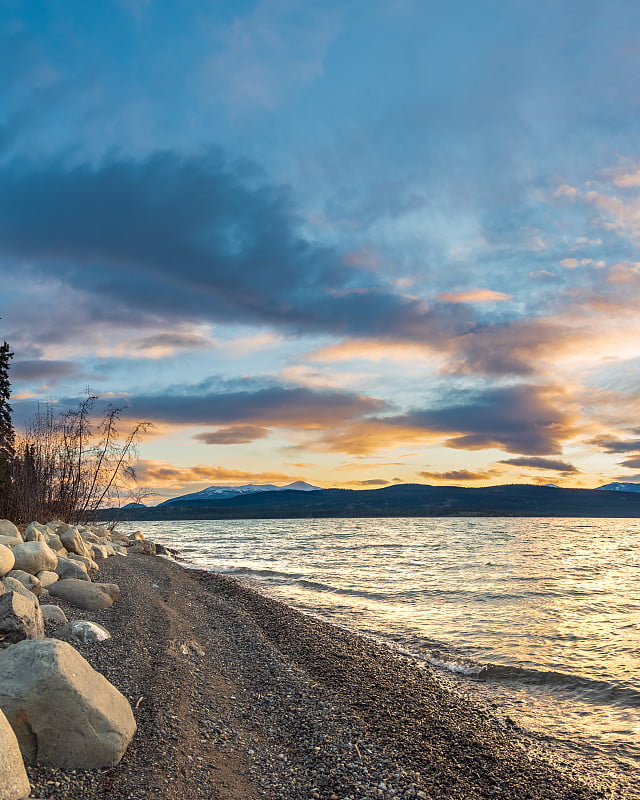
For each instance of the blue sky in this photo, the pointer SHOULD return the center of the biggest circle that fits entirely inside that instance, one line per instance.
(354, 243)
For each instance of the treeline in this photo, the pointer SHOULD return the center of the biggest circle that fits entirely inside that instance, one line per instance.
(63, 465)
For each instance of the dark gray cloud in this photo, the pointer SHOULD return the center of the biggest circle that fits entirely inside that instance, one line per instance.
(251, 404)
(631, 463)
(542, 463)
(611, 444)
(41, 369)
(456, 475)
(177, 340)
(197, 238)
(234, 434)
(526, 418)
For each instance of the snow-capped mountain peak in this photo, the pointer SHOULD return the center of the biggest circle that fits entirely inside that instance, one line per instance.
(224, 492)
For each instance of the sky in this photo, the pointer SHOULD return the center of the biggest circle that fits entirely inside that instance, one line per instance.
(355, 243)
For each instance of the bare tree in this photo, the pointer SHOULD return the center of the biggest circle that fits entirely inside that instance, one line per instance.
(71, 465)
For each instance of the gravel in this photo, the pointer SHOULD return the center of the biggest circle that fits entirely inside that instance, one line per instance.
(239, 696)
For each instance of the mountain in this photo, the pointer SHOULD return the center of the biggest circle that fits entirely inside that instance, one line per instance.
(226, 492)
(401, 500)
(618, 486)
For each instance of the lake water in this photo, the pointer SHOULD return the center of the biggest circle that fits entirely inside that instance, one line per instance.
(540, 616)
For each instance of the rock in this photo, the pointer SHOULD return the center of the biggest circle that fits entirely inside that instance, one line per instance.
(55, 543)
(146, 547)
(74, 543)
(9, 530)
(120, 550)
(33, 557)
(46, 578)
(63, 712)
(99, 552)
(7, 560)
(83, 594)
(88, 563)
(69, 568)
(30, 582)
(20, 618)
(81, 630)
(15, 783)
(35, 532)
(53, 614)
(137, 536)
(13, 585)
(115, 536)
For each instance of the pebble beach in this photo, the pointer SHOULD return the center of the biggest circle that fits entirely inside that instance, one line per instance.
(237, 695)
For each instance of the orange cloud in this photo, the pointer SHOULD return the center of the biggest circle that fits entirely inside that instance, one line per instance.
(474, 296)
(162, 473)
(457, 475)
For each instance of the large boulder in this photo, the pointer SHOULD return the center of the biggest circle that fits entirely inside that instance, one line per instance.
(20, 618)
(63, 712)
(35, 532)
(9, 531)
(30, 582)
(89, 563)
(53, 615)
(69, 568)
(46, 578)
(14, 585)
(83, 594)
(33, 557)
(7, 560)
(146, 547)
(74, 543)
(15, 783)
(55, 543)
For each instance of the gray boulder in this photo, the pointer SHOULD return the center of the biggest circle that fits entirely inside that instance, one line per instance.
(7, 560)
(136, 536)
(20, 618)
(90, 537)
(9, 531)
(99, 552)
(84, 594)
(63, 712)
(33, 557)
(35, 532)
(81, 630)
(88, 563)
(53, 615)
(13, 585)
(46, 578)
(30, 582)
(69, 568)
(55, 543)
(74, 543)
(15, 783)
(147, 547)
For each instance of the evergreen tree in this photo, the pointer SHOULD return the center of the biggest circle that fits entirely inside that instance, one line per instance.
(7, 433)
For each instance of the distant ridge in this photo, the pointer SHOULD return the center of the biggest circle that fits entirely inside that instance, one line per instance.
(618, 486)
(401, 500)
(226, 492)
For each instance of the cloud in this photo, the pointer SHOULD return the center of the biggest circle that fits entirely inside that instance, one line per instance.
(612, 444)
(628, 179)
(631, 463)
(542, 463)
(162, 473)
(200, 238)
(41, 369)
(474, 296)
(234, 434)
(249, 402)
(523, 419)
(456, 475)
(163, 344)
(371, 482)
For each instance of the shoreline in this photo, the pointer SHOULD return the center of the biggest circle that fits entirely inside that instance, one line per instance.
(237, 695)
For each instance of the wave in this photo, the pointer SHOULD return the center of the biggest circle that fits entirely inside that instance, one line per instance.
(597, 692)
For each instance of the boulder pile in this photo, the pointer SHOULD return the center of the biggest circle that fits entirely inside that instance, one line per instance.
(55, 709)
